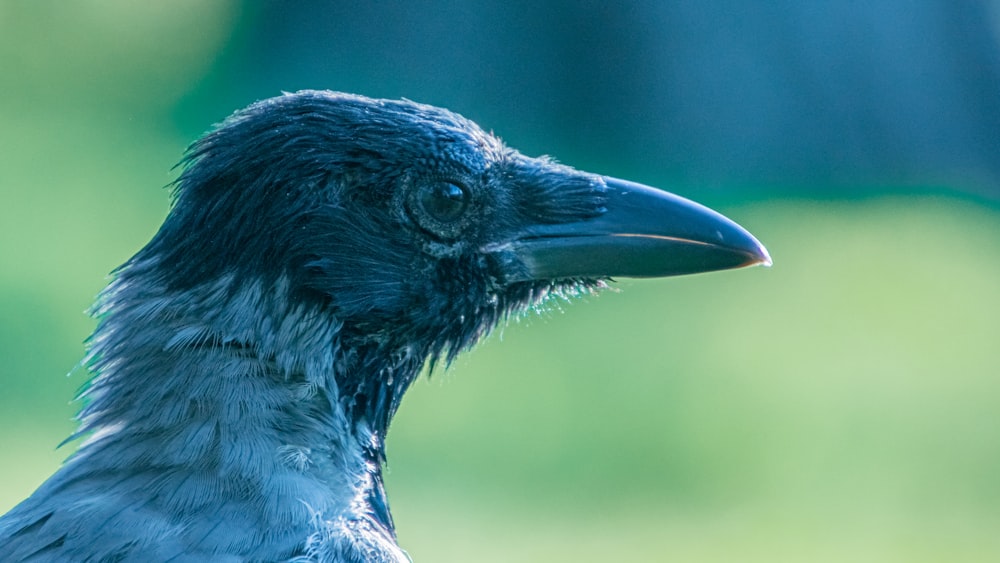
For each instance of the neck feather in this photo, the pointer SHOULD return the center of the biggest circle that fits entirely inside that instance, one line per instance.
(236, 392)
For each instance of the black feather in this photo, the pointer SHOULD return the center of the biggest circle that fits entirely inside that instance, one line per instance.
(249, 359)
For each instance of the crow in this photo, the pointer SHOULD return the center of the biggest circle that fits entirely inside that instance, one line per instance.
(321, 248)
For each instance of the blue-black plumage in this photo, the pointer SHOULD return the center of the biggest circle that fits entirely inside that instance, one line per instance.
(321, 248)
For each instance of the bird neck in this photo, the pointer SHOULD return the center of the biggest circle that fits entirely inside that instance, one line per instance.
(235, 383)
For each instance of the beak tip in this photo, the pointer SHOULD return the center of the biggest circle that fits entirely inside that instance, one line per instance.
(741, 242)
(762, 257)
(757, 254)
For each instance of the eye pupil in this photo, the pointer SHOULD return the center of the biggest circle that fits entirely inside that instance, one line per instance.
(443, 201)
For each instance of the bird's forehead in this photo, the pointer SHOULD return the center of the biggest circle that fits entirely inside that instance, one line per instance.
(474, 150)
(447, 136)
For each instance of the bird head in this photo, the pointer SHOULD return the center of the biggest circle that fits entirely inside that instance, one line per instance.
(411, 226)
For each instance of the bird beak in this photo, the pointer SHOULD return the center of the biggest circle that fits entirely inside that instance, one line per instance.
(644, 232)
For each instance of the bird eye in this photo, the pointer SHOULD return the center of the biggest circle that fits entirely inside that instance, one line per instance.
(443, 201)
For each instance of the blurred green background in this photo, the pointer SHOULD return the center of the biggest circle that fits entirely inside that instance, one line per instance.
(840, 406)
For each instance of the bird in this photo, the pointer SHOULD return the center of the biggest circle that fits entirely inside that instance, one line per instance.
(320, 250)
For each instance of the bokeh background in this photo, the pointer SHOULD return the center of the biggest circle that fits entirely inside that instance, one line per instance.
(843, 405)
